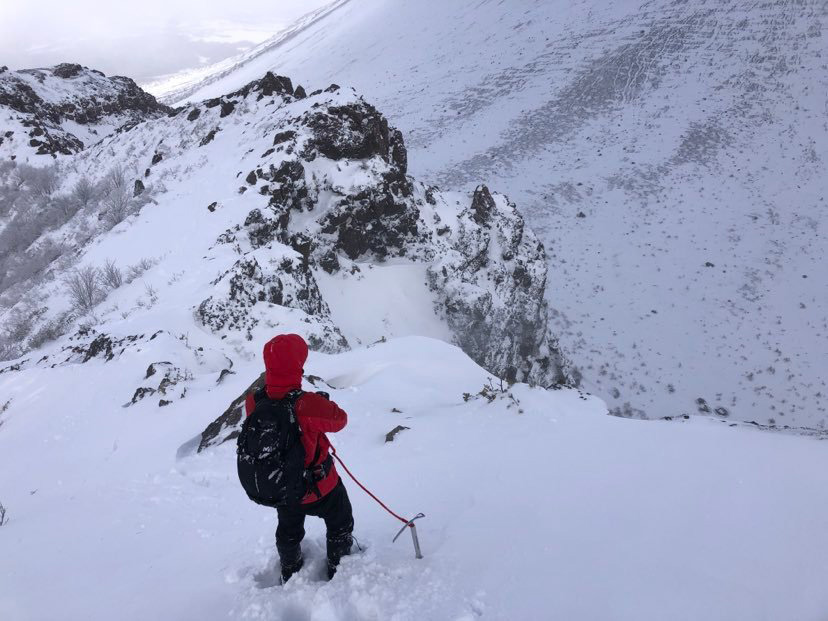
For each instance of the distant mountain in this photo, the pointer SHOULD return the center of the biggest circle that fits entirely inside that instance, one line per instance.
(671, 155)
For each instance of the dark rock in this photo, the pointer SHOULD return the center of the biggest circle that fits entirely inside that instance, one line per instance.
(482, 205)
(399, 155)
(140, 393)
(283, 137)
(224, 373)
(138, 189)
(194, 114)
(153, 368)
(212, 206)
(372, 221)
(67, 70)
(289, 171)
(266, 87)
(355, 131)
(389, 437)
(226, 426)
(251, 177)
(227, 107)
(156, 158)
(329, 261)
(332, 88)
(300, 93)
(208, 138)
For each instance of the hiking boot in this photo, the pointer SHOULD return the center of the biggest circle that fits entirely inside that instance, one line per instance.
(337, 548)
(288, 569)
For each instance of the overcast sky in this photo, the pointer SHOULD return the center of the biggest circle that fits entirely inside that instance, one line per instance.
(143, 39)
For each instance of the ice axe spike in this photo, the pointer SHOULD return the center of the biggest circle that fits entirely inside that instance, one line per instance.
(410, 524)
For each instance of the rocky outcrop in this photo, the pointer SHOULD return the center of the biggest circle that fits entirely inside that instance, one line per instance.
(43, 100)
(337, 194)
(491, 286)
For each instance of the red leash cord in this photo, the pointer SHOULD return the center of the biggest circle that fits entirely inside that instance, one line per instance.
(365, 489)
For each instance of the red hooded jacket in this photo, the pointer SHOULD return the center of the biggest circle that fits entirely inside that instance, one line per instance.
(284, 358)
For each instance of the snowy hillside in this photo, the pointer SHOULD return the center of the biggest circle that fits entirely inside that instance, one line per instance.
(147, 253)
(255, 198)
(671, 155)
(538, 505)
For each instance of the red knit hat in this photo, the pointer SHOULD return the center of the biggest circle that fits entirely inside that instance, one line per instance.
(284, 358)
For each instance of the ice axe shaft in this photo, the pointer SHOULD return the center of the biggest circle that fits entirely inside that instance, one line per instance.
(410, 524)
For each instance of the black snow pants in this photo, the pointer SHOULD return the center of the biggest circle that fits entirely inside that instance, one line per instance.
(335, 509)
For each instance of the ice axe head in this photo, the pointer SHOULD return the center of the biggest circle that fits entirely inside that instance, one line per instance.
(410, 524)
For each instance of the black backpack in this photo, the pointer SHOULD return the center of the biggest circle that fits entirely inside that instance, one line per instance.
(270, 455)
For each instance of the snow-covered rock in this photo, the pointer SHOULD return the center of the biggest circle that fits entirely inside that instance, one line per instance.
(63, 109)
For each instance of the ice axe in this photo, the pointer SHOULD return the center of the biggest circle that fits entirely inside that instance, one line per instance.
(410, 524)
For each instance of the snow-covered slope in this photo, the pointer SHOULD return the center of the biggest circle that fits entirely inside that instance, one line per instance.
(63, 109)
(670, 154)
(538, 505)
(206, 230)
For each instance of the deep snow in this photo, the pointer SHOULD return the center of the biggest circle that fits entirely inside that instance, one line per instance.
(544, 510)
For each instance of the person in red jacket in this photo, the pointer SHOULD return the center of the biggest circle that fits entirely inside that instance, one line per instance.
(284, 358)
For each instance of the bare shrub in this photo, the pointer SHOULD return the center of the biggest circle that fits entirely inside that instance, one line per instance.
(3, 518)
(52, 330)
(117, 206)
(152, 293)
(84, 288)
(9, 350)
(111, 275)
(19, 325)
(66, 207)
(84, 193)
(42, 182)
(116, 180)
(134, 271)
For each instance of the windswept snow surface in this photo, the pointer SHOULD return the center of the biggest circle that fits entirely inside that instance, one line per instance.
(541, 507)
(692, 138)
